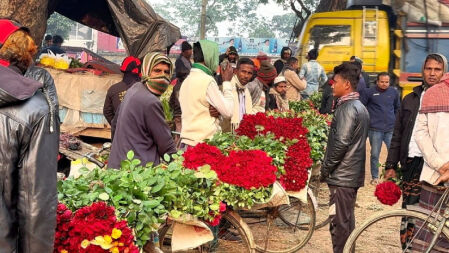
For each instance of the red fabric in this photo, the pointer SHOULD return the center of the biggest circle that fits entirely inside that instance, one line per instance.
(7, 27)
(4, 63)
(131, 64)
(436, 98)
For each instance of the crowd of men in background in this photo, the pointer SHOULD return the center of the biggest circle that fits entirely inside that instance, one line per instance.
(209, 94)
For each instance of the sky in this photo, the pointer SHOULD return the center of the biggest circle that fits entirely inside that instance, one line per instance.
(269, 10)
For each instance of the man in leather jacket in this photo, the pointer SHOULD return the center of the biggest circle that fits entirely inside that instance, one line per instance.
(344, 163)
(28, 149)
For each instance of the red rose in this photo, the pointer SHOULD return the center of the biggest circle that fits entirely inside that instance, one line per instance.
(222, 207)
(215, 221)
(388, 193)
(200, 155)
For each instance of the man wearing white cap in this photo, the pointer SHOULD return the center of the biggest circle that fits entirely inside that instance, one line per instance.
(278, 95)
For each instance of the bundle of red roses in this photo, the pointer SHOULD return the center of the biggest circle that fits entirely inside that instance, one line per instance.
(388, 193)
(260, 123)
(284, 128)
(94, 229)
(63, 217)
(200, 155)
(246, 168)
(296, 165)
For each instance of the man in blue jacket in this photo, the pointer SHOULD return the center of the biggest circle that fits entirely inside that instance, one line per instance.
(382, 102)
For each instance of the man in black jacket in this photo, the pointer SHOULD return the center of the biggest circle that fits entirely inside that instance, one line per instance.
(28, 149)
(116, 93)
(403, 147)
(344, 163)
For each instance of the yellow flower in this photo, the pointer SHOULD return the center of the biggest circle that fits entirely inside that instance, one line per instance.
(108, 239)
(116, 233)
(114, 250)
(64, 251)
(103, 242)
(85, 244)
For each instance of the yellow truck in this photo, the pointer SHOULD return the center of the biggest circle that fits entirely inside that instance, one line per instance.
(386, 41)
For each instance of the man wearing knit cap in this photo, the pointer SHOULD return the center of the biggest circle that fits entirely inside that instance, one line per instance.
(131, 74)
(141, 125)
(404, 148)
(183, 64)
(286, 53)
(259, 88)
(199, 95)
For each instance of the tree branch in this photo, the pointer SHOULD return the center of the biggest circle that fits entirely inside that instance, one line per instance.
(297, 12)
(212, 5)
(308, 12)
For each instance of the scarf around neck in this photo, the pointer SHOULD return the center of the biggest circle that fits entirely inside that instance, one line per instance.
(203, 68)
(436, 98)
(351, 96)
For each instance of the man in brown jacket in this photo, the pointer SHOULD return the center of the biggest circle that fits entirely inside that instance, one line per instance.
(294, 84)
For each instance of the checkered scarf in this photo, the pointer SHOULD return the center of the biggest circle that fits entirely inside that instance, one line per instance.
(436, 98)
(350, 96)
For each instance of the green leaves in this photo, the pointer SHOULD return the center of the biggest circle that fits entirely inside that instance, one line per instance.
(103, 196)
(144, 195)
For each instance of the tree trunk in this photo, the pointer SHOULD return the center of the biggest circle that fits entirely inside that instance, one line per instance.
(30, 13)
(203, 20)
(331, 5)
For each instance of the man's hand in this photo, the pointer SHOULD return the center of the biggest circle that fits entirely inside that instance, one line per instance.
(213, 112)
(227, 73)
(444, 168)
(443, 178)
(390, 173)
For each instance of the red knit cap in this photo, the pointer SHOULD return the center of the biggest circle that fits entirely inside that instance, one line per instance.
(267, 72)
(8, 27)
(131, 64)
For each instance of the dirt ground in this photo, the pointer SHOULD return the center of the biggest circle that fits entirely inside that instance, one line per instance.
(367, 205)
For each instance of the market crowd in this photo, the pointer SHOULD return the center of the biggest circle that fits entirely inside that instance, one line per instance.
(212, 94)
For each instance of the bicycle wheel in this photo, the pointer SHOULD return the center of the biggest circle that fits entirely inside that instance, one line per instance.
(380, 233)
(232, 236)
(282, 229)
(321, 192)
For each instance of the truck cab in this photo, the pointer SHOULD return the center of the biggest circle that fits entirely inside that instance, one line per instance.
(384, 40)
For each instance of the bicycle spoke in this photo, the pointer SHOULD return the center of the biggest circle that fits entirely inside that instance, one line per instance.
(396, 231)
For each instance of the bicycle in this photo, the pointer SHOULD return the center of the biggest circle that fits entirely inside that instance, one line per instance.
(386, 225)
(280, 229)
